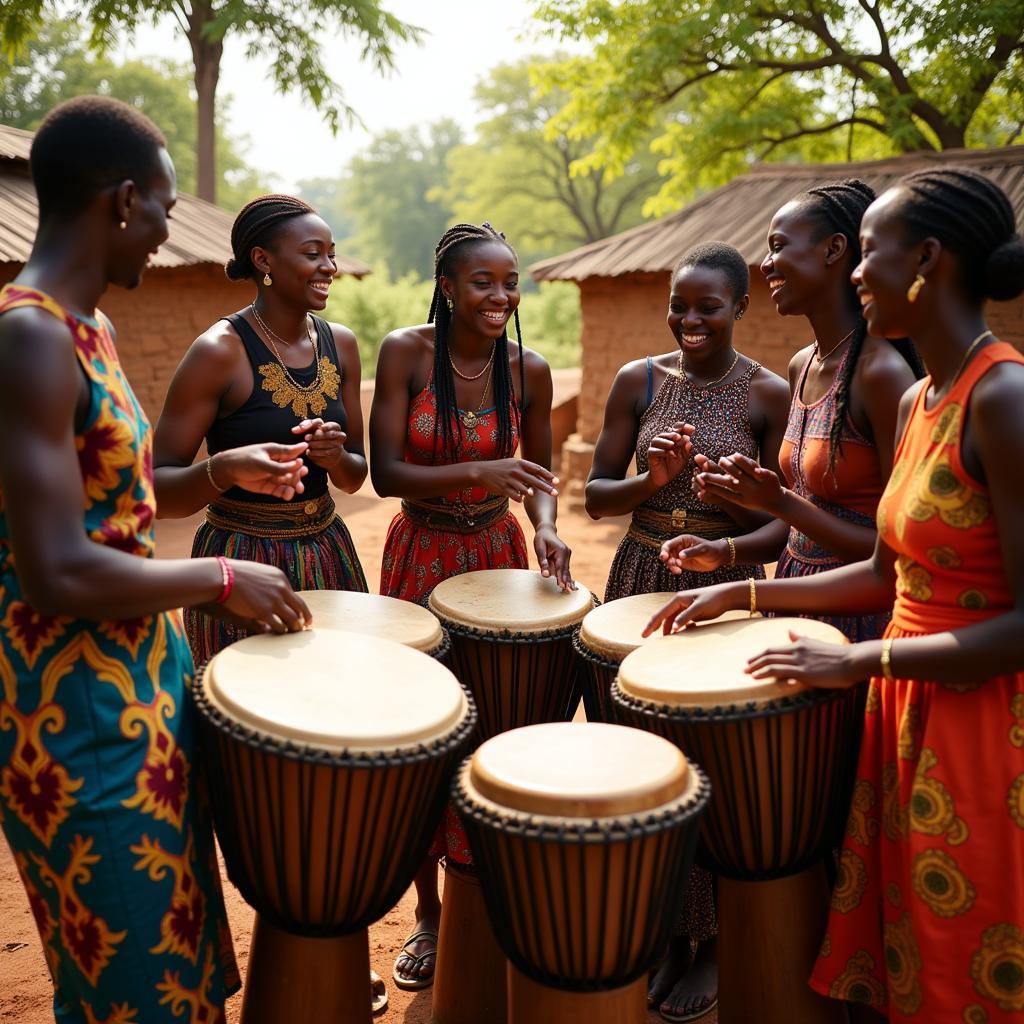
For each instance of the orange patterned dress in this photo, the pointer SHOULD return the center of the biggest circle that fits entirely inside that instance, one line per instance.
(927, 919)
(98, 783)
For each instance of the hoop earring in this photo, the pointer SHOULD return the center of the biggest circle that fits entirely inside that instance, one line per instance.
(267, 281)
(915, 289)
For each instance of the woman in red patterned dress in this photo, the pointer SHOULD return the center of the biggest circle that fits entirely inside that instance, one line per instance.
(927, 921)
(453, 399)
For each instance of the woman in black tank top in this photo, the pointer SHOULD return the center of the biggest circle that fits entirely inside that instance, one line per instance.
(274, 391)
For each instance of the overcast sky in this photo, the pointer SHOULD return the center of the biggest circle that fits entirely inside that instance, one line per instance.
(434, 80)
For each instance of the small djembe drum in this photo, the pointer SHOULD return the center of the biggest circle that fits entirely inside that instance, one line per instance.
(605, 636)
(511, 635)
(329, 759)
(375, 615)
(780, 757)
(584, 836)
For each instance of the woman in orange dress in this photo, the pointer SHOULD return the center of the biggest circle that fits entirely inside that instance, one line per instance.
(927, 920)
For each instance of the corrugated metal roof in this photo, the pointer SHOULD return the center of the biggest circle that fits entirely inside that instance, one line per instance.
(739, 213)
(200, 231)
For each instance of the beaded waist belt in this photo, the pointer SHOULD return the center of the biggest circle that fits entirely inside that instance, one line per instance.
(272, 519)
(455, 518)
(654, 528)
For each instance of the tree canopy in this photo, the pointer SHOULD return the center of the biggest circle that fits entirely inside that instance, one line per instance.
(724, 82)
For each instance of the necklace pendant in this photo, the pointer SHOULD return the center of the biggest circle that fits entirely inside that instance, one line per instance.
(469, 419)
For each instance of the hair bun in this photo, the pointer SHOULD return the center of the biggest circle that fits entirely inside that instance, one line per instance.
(1004, 271)
(233, 270)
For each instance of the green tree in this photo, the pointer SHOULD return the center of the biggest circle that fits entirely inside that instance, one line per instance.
(323, 193)
(526, 179)
(384, 193)
(56, 65)
(291, 29)
(729, 81)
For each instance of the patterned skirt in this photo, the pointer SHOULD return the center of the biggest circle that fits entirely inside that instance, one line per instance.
(315, 554)
(927, 920)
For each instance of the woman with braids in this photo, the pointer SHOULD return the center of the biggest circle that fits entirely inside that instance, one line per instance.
(846, 387)
(98, 798)
(928, 908)
(266, 387)
(453, 400)
(704, 394)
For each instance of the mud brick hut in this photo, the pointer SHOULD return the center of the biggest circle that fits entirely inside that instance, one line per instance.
(182, 293)
(624, 279)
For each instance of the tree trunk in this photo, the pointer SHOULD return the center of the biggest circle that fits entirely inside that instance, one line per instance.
(206, 55)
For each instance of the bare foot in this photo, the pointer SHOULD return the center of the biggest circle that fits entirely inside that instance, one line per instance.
(674, 965)
(696, 991)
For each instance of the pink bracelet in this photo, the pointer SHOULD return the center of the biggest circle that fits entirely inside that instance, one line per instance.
(227, 577)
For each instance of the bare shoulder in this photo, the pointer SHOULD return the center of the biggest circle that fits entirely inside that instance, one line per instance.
(995, 399)
(29, 338)
(413, 340)
(345, 341)
(880, 360)
(769, 386)
(218, 346)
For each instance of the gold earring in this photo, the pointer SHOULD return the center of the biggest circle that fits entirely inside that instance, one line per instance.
(123, 225)
(451, 305)
(739, 315)
(915, 289)
(266, 280)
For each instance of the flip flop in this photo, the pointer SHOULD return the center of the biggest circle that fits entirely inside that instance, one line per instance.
(417, 961)
(681, 1018)
(378, 998)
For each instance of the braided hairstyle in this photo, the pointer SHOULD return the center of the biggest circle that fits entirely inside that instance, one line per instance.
(839, 207)
(972, 218)
(451, 250)
(258, 223)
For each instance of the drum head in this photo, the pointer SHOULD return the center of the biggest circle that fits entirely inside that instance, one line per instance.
(613, 630)
(579, 770)
(509, 601)
(704, 666)
(333, 690)
(387, 617)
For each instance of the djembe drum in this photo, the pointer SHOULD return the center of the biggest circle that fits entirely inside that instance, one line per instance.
(583, 835)
(605, 636)
(330, 755)
(375, 615)
(511, 635)
(780, 757)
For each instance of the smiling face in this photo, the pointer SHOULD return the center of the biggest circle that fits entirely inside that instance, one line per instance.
(702, 310)
(300, 260)
(800, 254)
(145, 216)
(483, 288)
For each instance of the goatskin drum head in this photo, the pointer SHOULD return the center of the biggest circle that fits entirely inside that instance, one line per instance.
(509, 601)
(375, 615)
(613, 630)
(335, 690)
(579, 770)
(704, 666)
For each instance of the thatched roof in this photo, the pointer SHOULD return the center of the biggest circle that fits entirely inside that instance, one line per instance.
(200, 231)
(739, 213)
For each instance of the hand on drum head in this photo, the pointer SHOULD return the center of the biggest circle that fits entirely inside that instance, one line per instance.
(738, 479)
(263, 596)
(690, 606)
(815, 662)
(694, 554)
(553, 556)
(514, 478)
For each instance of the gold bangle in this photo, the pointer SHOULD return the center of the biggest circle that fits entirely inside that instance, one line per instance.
(753, 595)
(732, 550)
(886, 658)
(209, 473)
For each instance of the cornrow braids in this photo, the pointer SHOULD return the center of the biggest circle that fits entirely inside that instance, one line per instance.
(972, 218)
(447, 256)
(257, 224)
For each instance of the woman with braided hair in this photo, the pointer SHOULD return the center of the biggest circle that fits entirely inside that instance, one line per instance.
(846, 386)
(266, 387)
(453, 400)
(927, 920)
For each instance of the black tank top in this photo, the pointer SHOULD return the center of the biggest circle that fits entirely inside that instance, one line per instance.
(261, 418)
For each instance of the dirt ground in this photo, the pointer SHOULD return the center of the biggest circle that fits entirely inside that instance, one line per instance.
(25, 992)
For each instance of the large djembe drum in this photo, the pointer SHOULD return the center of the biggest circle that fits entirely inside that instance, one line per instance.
(780, 757)
(329, 757)
(375, 615)
(511, 635)
(583, 835)
(605, 636)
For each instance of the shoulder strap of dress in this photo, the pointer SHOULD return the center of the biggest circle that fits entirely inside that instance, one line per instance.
(14, 296)
(328, 346)
(650, 381)
(253, 344)
(983, 361)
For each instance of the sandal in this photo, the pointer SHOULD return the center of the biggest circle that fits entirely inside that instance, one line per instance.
(418, 960)
(702, 1010)
(378, 994)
